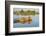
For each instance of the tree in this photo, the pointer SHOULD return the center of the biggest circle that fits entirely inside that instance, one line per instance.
(28, 11)
(22, 10)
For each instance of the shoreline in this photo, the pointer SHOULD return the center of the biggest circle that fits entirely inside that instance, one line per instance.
(26, 15)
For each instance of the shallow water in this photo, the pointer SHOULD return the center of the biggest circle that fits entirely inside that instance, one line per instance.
(34, 23)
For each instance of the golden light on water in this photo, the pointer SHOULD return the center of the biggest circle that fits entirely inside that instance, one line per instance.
(24, 20)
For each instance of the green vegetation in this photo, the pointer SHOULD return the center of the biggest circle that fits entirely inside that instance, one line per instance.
(27, 12)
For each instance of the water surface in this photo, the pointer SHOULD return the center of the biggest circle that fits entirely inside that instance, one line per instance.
(34, 23)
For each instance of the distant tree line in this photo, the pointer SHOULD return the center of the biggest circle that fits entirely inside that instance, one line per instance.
(27, 12)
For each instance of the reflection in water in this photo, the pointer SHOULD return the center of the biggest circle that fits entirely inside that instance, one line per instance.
(34, 22)
(23, 20)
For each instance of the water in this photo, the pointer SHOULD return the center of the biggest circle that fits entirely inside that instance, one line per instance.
(34, 23)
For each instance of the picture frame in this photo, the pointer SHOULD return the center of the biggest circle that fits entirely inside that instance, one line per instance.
(11, 6)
